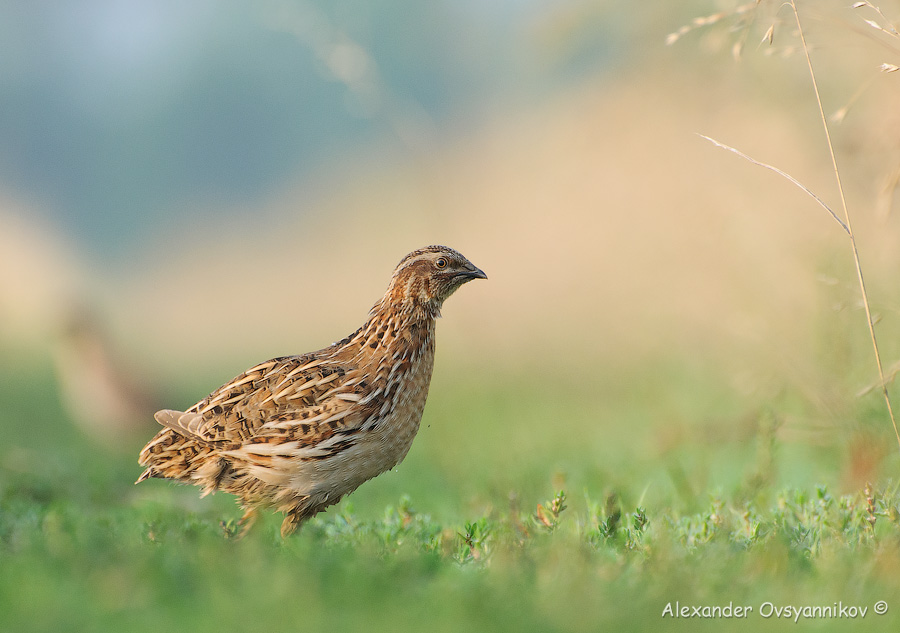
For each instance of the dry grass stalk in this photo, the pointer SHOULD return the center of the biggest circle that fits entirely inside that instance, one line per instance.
(845, 223)
(840, 114)
(886, 67)
(887, 28)
(856, 262)
(890, 29)
(782, 173)
(889, 376)
(709, 20)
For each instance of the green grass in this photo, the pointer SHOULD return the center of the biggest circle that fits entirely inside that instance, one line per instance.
(676, 489)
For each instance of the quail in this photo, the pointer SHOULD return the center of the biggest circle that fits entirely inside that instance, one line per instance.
(297, 433)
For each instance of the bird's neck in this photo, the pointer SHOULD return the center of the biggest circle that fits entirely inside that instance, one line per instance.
(398, 328)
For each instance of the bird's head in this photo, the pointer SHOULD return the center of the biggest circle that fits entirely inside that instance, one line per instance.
(427, 276)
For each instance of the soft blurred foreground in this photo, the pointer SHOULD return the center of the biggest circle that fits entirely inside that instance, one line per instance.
(664, 325)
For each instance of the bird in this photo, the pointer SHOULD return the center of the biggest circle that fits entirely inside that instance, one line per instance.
(298, 433)
(109, 399)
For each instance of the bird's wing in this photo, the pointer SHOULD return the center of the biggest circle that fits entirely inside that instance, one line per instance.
(183, 423)
(280, 400)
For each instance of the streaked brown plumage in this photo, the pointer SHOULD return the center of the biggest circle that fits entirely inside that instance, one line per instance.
(299, 432)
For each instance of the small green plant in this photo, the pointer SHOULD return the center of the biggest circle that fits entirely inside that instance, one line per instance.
(548, 516)
(473, 546)
(609, 526)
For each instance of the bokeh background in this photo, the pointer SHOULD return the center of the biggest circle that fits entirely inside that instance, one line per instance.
(190, 188)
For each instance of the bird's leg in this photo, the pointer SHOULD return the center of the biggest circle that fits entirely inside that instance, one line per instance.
(246, 522)
(292, 519)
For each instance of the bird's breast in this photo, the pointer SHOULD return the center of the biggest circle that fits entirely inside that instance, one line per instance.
(405, 382)
(387, 434)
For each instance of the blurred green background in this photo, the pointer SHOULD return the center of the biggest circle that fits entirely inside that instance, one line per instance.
(187, 189)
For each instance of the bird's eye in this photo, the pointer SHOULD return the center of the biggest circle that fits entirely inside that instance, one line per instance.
(440, 262)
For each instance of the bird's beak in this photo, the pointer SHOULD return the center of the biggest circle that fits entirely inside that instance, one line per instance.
(473, 272)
